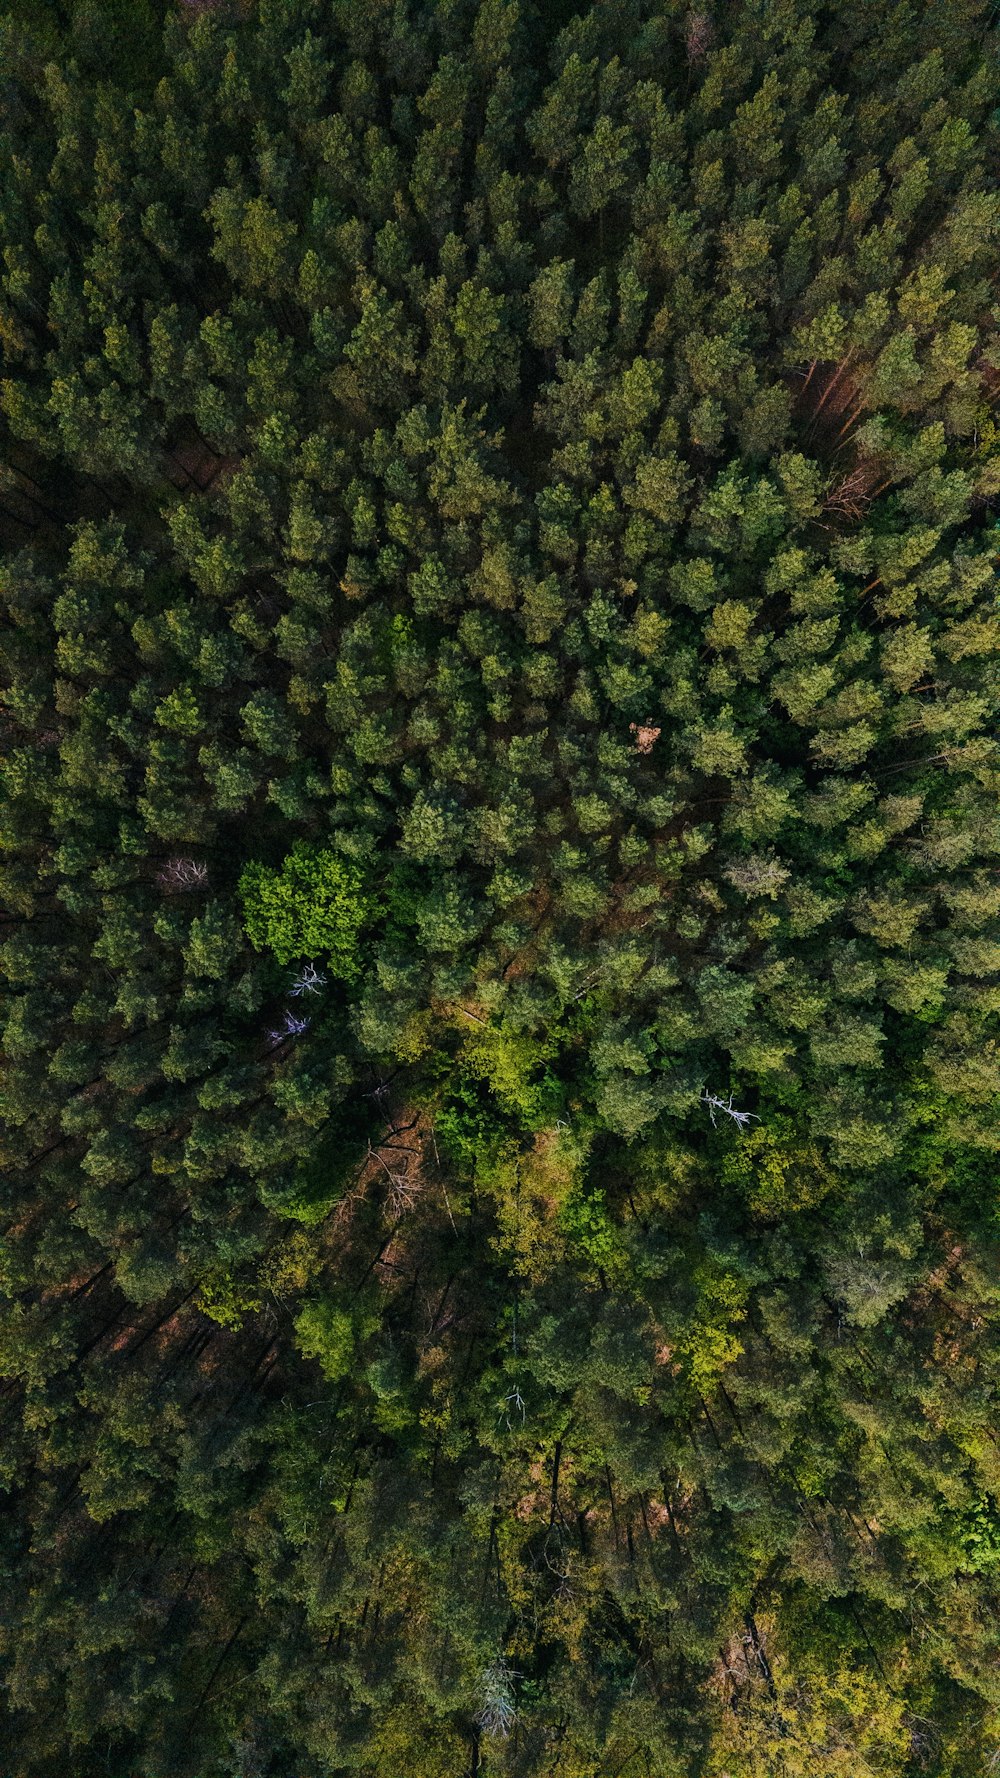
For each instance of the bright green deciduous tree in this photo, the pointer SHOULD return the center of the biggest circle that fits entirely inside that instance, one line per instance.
(314, 905)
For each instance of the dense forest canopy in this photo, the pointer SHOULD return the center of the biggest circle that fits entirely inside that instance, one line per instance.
(500, 876)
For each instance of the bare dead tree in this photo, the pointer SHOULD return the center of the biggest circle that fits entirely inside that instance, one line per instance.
(512, 1403)
(180, 874)
(404, 1187)
(757, 875)
(740, 1118)
(293, 1026)
(646, 735)
(310, 980)
(699, 35)
(497, 1713)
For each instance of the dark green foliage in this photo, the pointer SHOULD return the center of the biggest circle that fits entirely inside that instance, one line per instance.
(501, 670)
